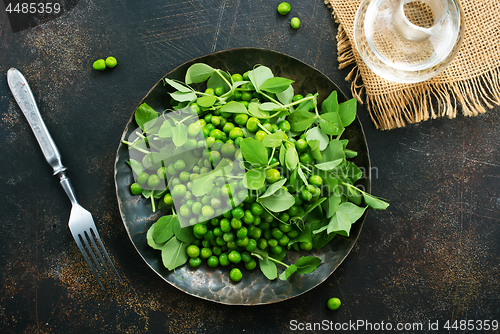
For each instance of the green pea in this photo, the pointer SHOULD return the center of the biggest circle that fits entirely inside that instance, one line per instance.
(262, 244)
(220, 90)
(260, 135)
(237, 77)
(246, 96)
(207, 211)
(153, 181)
(251, 265)
(235, 133)
(248, 217)
(193, 251)
(200, 229)
(142, 178)
(272, 175)
(234, 256)
(284, 8)
(167, 199)
(333, 303)
(235, 275)
(252, 244)
(224, 260)
(284, 126)
(195, 262)
(241, 119)
(295, 23)
(135, 188)
(205, 253)
(99, 65)
(252, 124)
(111, 62)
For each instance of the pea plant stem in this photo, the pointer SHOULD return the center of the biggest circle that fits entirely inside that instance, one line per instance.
(272, 155)
(271, 99)
(355, 188)
(299, 101)
(277, 261)
(263, 128)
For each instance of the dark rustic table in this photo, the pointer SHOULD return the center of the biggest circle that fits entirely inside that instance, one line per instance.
(430, 260)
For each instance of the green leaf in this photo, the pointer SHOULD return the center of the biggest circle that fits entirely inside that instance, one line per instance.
(306, 105)
(179, 134)
(353, 172)
(300, 120)
(350, 154)
(302, 175)
(288, 272)
(136, 166)
(269, 106)
(259, 75)
(183, 97)
(340, 224)
(307, 264)
(144, 114)
(149, 238)
(206, 101)
(268, 268)
(165, 130)
(198, 72)
(173, 254)
(254, 151)
(184, 234)
(317, 134)
(273, 188)
(331, 123)
(354, 195)
(346, 215)
(314, 144)
(254, 179)
(203, 185)
(274, 139)
(253, 109)
(282, 155)
(329, 164)
(276, 85)
(374, 202)
(333, 203)
(305, 234)
(179, 86)
(331, 103)
(234, 107)
(279, 201)
(216, 80)
(291, 158)
(315, 205)
(334, 151)
(347, 111)
(162, 229)
(286, 96)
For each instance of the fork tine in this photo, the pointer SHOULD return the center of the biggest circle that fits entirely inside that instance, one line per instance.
(94, 236)
(78, 241)
(86, 236)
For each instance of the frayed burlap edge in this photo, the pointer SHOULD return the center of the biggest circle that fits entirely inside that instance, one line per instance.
(418, 102)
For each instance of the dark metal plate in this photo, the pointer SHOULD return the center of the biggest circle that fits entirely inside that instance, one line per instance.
(214, 284)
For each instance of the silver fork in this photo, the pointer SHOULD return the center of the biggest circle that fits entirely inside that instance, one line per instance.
(81, 224)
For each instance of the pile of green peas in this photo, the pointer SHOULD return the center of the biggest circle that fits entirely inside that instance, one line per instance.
(228, 237)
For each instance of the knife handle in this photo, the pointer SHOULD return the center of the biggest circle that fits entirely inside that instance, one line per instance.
(26, 101)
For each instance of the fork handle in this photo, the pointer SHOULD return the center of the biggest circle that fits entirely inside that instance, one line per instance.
(68, 188)
(26, 101)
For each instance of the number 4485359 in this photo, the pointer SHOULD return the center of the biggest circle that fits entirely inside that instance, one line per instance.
(34, 8)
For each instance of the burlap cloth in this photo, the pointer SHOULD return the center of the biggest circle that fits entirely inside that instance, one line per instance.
(470, 84)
